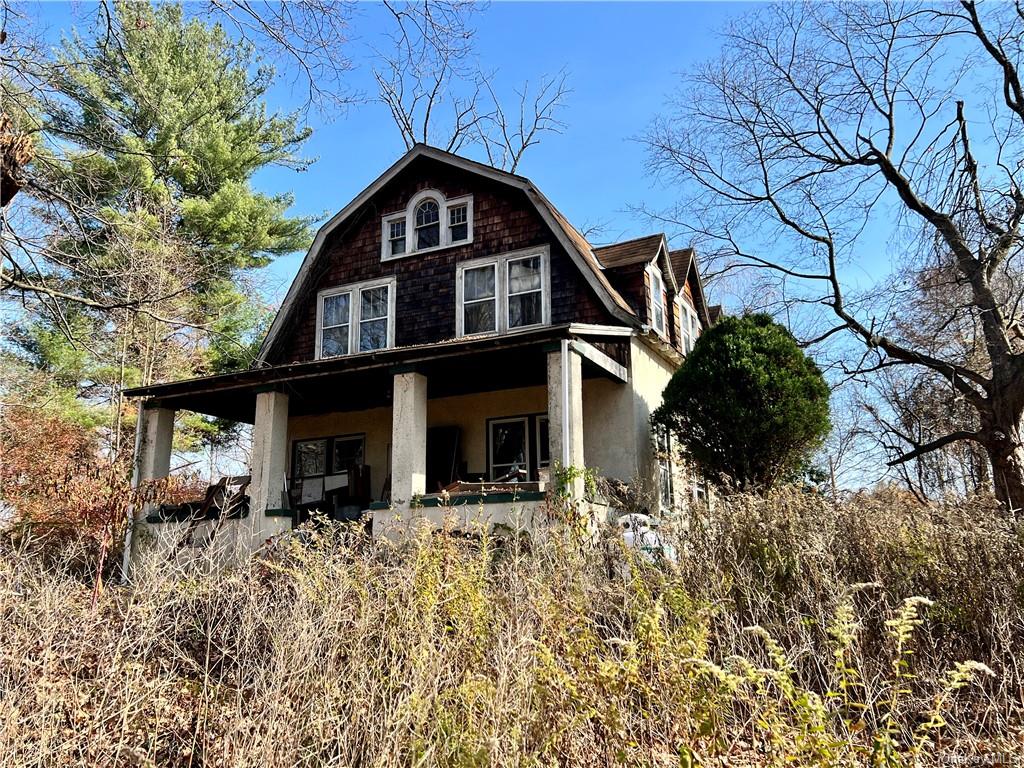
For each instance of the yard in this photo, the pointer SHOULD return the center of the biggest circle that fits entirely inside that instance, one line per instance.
(793, 631)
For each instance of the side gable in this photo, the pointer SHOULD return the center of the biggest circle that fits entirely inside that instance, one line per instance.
(684, 264)
(510, 214)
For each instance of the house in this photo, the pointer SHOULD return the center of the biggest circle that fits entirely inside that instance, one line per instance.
(449, 328)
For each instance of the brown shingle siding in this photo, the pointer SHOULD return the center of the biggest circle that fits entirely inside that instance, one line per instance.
(503, 220)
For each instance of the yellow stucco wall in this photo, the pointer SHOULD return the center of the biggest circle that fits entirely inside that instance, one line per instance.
(616, 421)
(649, 373)
(468, 412)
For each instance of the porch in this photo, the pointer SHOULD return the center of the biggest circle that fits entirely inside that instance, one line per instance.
(381, 435)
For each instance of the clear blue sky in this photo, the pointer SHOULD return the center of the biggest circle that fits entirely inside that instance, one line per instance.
(622, 59)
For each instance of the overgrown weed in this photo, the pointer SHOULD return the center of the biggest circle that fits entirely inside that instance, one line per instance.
(792, 632)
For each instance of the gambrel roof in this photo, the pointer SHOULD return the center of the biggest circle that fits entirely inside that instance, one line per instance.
(575, 244)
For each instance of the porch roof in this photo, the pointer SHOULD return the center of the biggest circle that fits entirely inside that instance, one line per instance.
(364, 380)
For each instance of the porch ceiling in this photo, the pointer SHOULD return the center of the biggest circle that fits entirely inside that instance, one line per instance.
(365, 381)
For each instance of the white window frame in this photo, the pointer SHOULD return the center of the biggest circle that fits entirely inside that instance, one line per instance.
(409, 216)
(655, 275)
(688, 319)
(460, 296)
(386, 234)
(525, 421)
(355, 310)
(500, 263)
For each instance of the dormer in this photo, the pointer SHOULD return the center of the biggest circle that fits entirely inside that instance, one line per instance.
(429, 222)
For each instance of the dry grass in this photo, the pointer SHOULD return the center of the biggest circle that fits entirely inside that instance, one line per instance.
(455, 653)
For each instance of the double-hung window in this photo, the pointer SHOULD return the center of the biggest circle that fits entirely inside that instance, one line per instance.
(396, 236)
(509, 448)
(690, 326)
(356, 318)
(480, 299)
(525, 292)
(335, 324)
(458, 223)
(657, 301)
(503, 293)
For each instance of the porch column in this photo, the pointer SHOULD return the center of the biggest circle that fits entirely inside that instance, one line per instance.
(565, 411)
(269, 463)
(408, 440)
(154, 434)
(153, 445)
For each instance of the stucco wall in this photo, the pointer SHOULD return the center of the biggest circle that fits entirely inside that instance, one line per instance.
(609, 434)
(468, 412)
(649, 373)
(616, 419)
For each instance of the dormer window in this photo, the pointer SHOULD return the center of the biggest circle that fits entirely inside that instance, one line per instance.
(690, 325)
(428, 225)
(429, 222)
(657, 304)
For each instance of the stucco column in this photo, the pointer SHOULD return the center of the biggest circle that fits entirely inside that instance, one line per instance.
(565, 411)
(154, 435)
(269, 464)
(153, 445)
(408, 440)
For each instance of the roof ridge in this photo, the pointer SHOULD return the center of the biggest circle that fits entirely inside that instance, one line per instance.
(630, 240)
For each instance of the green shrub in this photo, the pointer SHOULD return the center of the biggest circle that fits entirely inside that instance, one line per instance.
(747, 403)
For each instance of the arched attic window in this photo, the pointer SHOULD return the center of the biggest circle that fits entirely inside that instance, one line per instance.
(428, 225)
(429, 221)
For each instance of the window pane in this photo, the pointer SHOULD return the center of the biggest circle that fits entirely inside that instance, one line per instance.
(336, 309)
(458, 223)
(479, 317)
(310, 457)
(427, 213)
(524, 275)
(659, 317)
(478, 283)
(373, 335)
(524, 310)
(428, 236)
(397, 229)
(334, 341)
(508, 445)
(374, 303)
(347, 451)
(457, 215)
(397, 246)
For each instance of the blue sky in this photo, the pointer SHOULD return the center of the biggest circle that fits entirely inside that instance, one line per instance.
(622, 60)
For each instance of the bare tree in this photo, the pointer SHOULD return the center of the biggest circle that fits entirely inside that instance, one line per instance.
(437, 94)
(825, 132)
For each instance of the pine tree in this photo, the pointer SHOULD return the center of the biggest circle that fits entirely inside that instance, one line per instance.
(143, 183)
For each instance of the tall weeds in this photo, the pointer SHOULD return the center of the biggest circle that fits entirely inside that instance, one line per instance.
(790, 633)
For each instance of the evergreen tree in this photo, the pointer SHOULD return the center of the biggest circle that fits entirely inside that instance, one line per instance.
(151, 139)
(748, 405)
